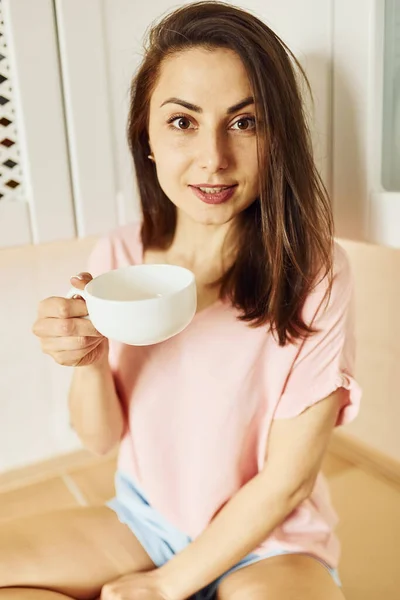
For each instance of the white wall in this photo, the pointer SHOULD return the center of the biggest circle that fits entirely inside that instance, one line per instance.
(377, 279)
(33, 388)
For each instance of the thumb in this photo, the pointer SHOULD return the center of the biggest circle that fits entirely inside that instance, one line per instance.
(79, 281)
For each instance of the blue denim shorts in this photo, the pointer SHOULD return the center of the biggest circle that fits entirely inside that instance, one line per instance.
(161, 540)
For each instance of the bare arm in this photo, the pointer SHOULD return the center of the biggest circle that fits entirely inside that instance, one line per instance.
(295, 453)
(95, 409)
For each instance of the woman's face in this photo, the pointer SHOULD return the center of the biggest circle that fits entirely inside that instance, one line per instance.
(202, 132)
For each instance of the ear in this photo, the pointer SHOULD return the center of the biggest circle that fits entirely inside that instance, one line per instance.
(150, 155)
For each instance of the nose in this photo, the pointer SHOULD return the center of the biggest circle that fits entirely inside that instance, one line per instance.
(213, 151)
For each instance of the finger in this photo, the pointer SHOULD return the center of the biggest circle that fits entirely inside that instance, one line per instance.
(69, 344)
(62, 308)
(80, 280)
(73, 327)
(70, 358)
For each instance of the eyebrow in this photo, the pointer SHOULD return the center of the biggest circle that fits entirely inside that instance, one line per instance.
(198, 109)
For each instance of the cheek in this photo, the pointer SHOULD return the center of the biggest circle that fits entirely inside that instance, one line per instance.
(172, 158)
(244, 149)
(171, 168)
(248, 163)
(165, 139)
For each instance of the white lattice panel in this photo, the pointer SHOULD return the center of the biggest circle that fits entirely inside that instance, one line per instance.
(30, 33)
(11, 174)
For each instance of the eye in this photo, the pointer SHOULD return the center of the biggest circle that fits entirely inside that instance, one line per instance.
(183, 123)
(245, 124)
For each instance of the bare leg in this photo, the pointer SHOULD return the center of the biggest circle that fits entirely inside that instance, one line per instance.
(27, 594)
(291, 576)
(72, 552)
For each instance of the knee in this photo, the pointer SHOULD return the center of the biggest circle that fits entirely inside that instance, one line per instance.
(16, 555)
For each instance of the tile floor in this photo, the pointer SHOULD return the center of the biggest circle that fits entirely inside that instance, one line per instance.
(369, 508)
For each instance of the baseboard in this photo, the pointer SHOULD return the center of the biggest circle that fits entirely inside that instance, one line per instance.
(52, 467)
(342, 445)
(349, 448)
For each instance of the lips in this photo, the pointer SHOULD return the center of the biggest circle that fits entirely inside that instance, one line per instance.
(212, 189)
(215, 186)
(217, 194)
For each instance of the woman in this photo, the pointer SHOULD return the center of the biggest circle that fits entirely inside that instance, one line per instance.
(223, 428)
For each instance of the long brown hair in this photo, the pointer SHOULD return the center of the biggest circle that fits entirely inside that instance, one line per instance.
(285, 238)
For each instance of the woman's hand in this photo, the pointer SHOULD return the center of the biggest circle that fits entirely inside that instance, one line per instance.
(137, 586)
(68, 339)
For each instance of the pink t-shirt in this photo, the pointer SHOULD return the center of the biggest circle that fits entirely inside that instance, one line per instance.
(200, 405)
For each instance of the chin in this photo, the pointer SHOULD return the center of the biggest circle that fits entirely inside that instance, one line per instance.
(217, 216)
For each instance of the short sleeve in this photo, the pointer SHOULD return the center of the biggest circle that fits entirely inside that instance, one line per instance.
(120, 248)
(102, 257)
(325, 361)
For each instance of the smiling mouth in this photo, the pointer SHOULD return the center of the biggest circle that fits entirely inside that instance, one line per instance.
(214, 195)
(213, 190)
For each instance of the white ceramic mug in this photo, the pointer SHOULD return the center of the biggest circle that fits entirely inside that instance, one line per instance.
(140, 304)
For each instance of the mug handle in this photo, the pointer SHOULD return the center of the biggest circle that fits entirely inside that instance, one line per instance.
(75, 291)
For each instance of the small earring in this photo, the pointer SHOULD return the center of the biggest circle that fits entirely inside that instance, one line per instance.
(151, 157)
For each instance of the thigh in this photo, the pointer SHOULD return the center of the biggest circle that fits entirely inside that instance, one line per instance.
(30, 594)
(290, 576)
(74, 551)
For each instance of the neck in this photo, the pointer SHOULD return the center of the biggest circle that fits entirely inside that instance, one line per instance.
(203, 247)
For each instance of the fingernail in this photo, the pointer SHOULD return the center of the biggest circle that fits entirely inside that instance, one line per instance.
(79, 276)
